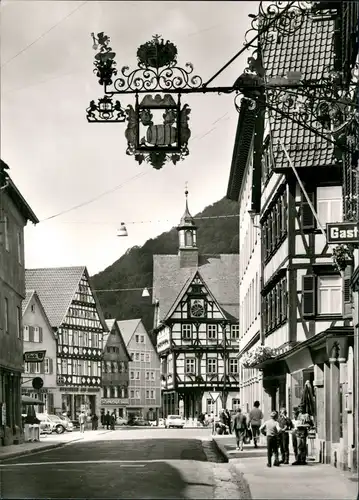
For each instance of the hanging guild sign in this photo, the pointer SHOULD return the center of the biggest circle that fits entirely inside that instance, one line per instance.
(158, 130)
(343, 232)
(34, 356)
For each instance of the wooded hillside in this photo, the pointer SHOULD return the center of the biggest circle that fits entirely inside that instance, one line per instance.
(134, 269)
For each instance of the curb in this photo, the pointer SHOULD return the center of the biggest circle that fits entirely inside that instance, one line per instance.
(220, 451)
(20, 453)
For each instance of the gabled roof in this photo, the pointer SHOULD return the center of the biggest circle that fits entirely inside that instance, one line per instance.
(241, 149)
(26, 301)
(196, 274)
(220, 273)
(127, 328)
(310, 51)
(32, 294)
(13, 192)
(56, 287)
(112, 324)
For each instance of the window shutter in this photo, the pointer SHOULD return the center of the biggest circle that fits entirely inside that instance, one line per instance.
(307, 216)
(347, 293)
(50, 402)
(31, 333)
(51, 366)
(32, 367)
(308, 295)
(40, 334)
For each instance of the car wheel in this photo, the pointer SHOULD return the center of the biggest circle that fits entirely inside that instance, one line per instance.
(60, 429)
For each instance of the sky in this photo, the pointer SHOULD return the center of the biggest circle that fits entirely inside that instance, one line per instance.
(58, 160)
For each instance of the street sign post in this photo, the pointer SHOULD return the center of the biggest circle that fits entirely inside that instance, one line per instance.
(343, 232)
(214, 396)
(34, 356)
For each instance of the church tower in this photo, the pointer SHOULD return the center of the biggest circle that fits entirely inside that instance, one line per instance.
(187, 235)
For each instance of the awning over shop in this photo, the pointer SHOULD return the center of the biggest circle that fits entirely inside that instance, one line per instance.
(27, 400)
(332, 342)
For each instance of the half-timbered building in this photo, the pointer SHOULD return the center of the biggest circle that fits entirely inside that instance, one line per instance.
(196, 320)
(115, 374)
(306, 304)
(77, 319)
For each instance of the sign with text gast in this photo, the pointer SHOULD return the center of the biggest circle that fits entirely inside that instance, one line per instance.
(343, 232)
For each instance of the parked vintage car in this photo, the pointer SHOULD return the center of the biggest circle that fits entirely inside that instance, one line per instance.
(46, 421)
(139, 421)
(121, 421)
(62, 423)
(174, 421)
(45, 427)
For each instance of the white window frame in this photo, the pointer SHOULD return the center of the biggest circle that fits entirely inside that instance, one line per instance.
(137, 375)
(152, 394)
(147, 394)
(142, 339)
(36, 335)
(236, 403)
(152, 375)
(212, 331)
(132, 375)
(186, 331)
(233, 367)
(26, 334)
(137, 339)
(19, 253)
(148, 357)
(137, 394)
(142, 356)
(190, 365)
(6, 314)
(132, 394)
(235, 332)
(212, 365)
(147, 375)
(47, 366)
(335, 305)
(137, 356)
(6, 230)
(329, 198)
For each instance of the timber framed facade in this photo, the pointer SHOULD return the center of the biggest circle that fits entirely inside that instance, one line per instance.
(198, 333)
(77, 319)
(306, 303)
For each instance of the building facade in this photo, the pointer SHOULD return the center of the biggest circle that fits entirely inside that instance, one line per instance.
(115, 372)
(306, 305)
(196, 321)
(78, 322)
(38, 335)
(14, 215)
(144, 389)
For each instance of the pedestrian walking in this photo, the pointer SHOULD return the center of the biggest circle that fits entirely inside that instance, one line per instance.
(286, 426)
(240, 428)
(108, 420)
(82, 420)
(94, 420)
(103, 418)
(229, 420)
(113, 421)
(255, 421)
(271, 429)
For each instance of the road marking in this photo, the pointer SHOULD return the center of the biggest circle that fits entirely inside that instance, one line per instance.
(125, 463)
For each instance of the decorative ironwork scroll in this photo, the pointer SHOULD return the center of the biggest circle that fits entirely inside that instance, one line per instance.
(157, 68)
(105, 111)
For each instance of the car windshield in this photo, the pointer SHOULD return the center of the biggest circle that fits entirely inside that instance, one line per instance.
(174, 417)
(41, 416)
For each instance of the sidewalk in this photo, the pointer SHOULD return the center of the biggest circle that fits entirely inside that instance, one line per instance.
(314, 481)
(47, 442)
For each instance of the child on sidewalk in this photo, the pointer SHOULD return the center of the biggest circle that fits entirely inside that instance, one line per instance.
(271, 429)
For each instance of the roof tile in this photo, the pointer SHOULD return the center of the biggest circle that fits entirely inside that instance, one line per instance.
(56, 288)
(220, 273)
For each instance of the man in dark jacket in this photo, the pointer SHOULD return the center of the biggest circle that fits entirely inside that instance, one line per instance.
(286, 425)
(108, 420)
(240, 428)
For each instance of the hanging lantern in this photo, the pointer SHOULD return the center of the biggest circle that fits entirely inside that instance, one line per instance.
(123, 230)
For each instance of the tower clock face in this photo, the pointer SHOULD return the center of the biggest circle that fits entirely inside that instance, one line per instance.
(197, 308)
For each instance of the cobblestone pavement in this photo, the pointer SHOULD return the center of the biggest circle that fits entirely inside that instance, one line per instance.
(138, 463)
